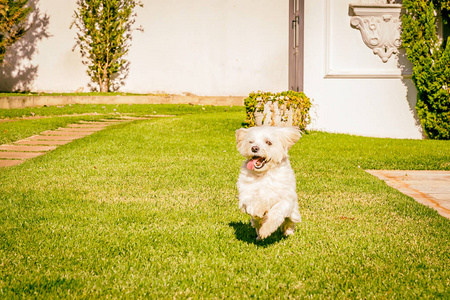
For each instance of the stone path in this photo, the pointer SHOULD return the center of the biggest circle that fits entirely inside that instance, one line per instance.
(431, 188)
(19, 151)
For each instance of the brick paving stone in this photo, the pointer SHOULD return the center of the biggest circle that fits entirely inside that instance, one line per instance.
(47, 143)
(54, 138)
(27, 148)
(431, 188)
(49, 140)
(444, 200)
(20, 155)
(9, 163)
(130, 119)
(73, 129)
(66, 133)
(99, 123)
(87, 126)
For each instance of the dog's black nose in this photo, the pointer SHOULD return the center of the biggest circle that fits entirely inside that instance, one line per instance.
(255, 149)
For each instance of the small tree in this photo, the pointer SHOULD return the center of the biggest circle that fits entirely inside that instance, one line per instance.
(104, 36)
(13, 23)
(430, 56)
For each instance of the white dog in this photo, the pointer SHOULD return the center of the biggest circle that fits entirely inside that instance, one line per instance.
(266, 181)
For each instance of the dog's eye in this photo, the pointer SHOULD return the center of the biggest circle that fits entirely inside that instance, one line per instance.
(269, 143)
(250, 142)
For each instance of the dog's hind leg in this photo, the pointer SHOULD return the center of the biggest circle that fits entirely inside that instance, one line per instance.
(295, 215)
(288, 227)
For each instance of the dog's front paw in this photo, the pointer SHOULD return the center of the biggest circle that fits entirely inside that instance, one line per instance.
(264, 232)
(254, 209)
(288, 232)
(250, 210)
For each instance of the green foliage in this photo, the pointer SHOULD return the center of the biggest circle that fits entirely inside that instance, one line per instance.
(430, 56)
(104, 35)
(289, 100)
(13, 19)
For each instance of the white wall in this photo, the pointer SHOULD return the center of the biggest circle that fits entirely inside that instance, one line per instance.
(203, 47)
(230, 48)
(353, 90)
(210, 47)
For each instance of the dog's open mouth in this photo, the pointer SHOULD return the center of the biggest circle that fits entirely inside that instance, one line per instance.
(257, 162)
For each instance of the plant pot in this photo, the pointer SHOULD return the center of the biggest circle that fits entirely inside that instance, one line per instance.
(272, 113)
(283, 109)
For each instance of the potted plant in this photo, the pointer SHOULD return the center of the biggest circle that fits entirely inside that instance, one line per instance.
(282, 109)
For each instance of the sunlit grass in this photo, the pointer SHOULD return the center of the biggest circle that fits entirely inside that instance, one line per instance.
(33, 120)
(20, 129)
(115, 110)
(148, 209)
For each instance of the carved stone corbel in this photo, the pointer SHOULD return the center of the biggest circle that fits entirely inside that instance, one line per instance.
(379, 25)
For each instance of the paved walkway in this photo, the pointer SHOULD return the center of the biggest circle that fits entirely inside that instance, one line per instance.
(431, 188)
(19, 151)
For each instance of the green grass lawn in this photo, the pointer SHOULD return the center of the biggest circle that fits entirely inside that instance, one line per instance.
(149, 209)
(115, 110)
(49, 118)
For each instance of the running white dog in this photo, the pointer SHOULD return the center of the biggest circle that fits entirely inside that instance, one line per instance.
(266, 182)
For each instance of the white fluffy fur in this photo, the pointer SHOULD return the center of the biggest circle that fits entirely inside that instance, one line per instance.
(268, 194)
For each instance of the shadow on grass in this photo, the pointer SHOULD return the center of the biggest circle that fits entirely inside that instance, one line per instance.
(246, 233)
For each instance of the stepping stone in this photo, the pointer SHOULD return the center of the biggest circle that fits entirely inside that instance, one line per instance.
(125, 119)
(54, 138)
(9, 163)
(87, 126)
(100, 123)
(20, 155)
(66, 133)
(431, 188)
(90, 130)
(27, 148)
(48, 140)
(26, 142)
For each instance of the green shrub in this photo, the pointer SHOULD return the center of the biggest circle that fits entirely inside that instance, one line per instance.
(297, 102)
(430, 56)
(104, 35)
(13, 19)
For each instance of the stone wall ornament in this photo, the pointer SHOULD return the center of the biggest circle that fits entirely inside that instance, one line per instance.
(379, 25)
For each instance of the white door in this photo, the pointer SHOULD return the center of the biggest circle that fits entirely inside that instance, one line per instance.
(353, 90)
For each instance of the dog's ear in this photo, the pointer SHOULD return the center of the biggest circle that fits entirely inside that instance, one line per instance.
(240, 134)
(289, 136)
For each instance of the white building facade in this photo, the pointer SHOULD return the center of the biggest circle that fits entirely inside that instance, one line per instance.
(231, 48)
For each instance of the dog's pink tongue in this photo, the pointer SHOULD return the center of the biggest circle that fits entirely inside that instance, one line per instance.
(251, 164)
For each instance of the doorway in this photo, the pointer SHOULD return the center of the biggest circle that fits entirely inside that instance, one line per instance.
(296, 28)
